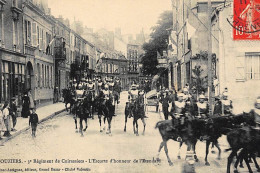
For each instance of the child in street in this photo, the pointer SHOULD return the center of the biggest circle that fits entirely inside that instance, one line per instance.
(13, 113)
(33, 121)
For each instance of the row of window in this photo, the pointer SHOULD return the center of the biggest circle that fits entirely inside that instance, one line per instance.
(36, 35)
(44, 76)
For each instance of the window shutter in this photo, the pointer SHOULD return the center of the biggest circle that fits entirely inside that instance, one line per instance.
(34, 34)
(40, 46)
(44, 42)
(240, 68)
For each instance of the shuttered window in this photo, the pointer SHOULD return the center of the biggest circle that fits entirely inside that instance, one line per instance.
(240, 68)
(34, 34)
(253, 67)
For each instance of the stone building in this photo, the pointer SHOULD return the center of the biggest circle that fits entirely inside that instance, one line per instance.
(15, 74)
(38, 33)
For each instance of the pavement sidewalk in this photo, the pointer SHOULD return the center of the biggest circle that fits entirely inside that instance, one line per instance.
(44, 113)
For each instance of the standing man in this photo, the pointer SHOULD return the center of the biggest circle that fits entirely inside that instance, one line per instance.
(164, 100)
(146, 85)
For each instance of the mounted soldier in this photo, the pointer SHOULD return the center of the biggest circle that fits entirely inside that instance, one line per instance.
(111, 84)
(226, 104)
(201, 107)
(117, 89)
(132, 97)
(179, 107)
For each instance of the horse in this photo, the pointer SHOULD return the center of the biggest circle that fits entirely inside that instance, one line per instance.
(106, 109)
(68, 98)
(91, 100)
(246, 138)
(189, 132)
(136, 109)
(221, 125)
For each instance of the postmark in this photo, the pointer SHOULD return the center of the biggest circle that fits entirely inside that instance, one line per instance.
(246, 20)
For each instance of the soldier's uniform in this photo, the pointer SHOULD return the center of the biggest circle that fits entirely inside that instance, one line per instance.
(226, 104)
(179, 113)
(132, 97)
(165, 99)
(202, 108)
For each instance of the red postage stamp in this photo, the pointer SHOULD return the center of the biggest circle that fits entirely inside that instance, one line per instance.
(246, 20)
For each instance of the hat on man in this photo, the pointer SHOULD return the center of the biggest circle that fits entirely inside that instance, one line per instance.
(180, 95)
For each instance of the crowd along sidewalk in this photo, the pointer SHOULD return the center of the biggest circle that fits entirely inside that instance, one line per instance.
(44, 113)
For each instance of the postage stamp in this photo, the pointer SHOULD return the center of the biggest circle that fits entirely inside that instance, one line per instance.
(246, 20)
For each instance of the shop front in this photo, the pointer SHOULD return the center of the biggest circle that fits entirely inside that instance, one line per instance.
(12, 77)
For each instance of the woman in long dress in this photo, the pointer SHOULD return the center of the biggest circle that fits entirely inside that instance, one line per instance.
(25, 106)
(2, 125)
(7, 119)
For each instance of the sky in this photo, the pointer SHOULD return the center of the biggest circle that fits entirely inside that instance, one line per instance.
(130, 15)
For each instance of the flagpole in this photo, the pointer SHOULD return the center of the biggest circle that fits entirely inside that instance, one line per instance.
(209, 58)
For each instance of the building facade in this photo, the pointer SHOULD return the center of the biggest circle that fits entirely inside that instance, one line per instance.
(38, 33)
(238, 61)
(13, 61)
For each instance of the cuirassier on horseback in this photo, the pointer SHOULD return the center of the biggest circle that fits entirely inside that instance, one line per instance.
(106, 107)
(117, 90)
(91, 91)
(135, 108)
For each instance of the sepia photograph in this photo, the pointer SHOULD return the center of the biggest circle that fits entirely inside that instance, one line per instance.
(130, 86)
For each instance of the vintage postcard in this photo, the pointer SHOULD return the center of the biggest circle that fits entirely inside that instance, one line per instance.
(131, 86)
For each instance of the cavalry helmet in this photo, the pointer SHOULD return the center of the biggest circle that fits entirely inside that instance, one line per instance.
(202, 96)
(180, 95)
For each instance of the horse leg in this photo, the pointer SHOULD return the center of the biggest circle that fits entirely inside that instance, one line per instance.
(136, 123)
(92, 111)
(219, 150)
(125, 122)
(166, 152)
(194, 151)
(230, 158)
(207, 152)
(76, 124)
(160, 148)
(245, 156)
(81, 126)
(104, 128)
(143, 120)
(66, 107)
(212, 148)
(256, 164)
(179, 152)
(86, 122)
(100, 121)
(239, 159)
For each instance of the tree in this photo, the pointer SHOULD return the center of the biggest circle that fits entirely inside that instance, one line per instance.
(157, 43)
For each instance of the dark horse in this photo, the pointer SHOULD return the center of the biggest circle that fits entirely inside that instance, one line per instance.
(221, 125)
(106, 109)
(189, 131)
(68, 98)
(136, 110)
(246, 138)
